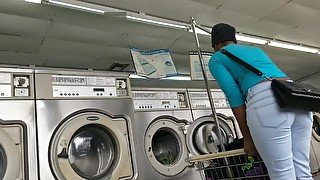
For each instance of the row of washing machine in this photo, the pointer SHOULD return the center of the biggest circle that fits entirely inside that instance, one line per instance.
(65, 125)
(68, 124)
(170, 125)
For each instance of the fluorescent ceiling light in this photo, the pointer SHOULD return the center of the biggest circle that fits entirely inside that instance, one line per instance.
(292, 46)
(179, 78)
(240, 37)
(250, 39)
(76, 6)
(134, 76)
(200, 31)
(34, 1)
(155, 22)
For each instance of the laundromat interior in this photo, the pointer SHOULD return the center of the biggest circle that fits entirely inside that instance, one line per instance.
(115, 89)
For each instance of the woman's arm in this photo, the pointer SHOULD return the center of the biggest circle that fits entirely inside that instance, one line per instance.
(232, 91)
(240, 114)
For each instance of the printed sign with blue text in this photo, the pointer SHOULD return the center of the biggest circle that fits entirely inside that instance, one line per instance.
(153, 63)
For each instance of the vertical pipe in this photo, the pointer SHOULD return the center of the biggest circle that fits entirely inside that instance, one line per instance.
(217, 128)
(207, 85)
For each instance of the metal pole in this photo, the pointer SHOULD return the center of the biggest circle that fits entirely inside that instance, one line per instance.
(203, 29)
(215, 118)
(193, 26)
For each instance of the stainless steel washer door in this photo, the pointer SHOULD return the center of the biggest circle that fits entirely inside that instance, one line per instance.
(202, 137)
(92, 152)
(316, 126)
(91, 145)
(165, 146)
(12, 152)
(3, 162)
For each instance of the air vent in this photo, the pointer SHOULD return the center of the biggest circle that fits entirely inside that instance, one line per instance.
(118, 67)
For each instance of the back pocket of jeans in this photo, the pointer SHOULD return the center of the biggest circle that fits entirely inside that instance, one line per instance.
(270, 115)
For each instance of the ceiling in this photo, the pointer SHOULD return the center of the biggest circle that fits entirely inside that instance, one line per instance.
(47, 35)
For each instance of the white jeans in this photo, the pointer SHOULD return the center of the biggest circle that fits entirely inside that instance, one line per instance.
(281, 136)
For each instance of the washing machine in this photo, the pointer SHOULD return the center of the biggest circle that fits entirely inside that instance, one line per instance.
(200, 107)
(315, 146)
(18, 157)
(84, 125)
(165, 135)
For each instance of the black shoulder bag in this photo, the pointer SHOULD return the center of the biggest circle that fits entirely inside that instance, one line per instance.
(289, 94)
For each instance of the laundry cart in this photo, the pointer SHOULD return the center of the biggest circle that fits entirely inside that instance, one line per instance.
(234, 164)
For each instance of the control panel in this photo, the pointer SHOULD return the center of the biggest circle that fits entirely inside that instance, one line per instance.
(88, 86)
(83, 91)
(14, 85)
(159, 100)
(199, 100)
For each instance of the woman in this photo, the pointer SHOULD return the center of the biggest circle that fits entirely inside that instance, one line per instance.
(280, 136)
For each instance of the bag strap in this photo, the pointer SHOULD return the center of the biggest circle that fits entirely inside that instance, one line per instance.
(243, 63)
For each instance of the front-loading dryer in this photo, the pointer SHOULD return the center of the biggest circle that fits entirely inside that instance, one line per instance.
(165, 135)
(84, 125)
(18, 153)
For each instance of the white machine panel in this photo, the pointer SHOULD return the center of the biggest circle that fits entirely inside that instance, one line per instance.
(5, 78)
(5, 91)
(203, 95)
(154, 95)
(160, 100)
(218, 103)
(21, 92)
(156, 104)
(83, 80)
(83, 91)
(200, 100)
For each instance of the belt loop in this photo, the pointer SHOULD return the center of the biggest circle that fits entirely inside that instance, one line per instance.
(249, 95)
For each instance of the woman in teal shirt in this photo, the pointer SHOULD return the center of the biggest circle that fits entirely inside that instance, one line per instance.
(280, 136)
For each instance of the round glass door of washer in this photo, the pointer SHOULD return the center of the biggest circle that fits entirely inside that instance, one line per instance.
(91, 152)
(91, 145)
(203, 138)
(166, 146)
(316, 126)
(3, 164)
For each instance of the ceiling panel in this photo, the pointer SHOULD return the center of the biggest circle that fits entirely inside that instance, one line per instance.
(177, 10)
(25, 44)
(300, 36)
(212, 3)
(81, 34)
(313, 4)
(242, 22)
(257, 8)
(17, 58)
(18, 25)
(26, 9)
(267, 28)
(296, 64)
(293, 14)
(69, 53)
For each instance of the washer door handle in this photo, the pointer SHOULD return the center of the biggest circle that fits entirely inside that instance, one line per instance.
(63, 154)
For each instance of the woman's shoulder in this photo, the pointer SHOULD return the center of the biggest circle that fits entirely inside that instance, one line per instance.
(242, 47)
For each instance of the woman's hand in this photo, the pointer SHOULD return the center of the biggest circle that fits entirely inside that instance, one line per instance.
(249, 147)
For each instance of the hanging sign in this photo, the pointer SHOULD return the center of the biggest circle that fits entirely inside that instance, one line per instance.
(153, 63)
(195, 67)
